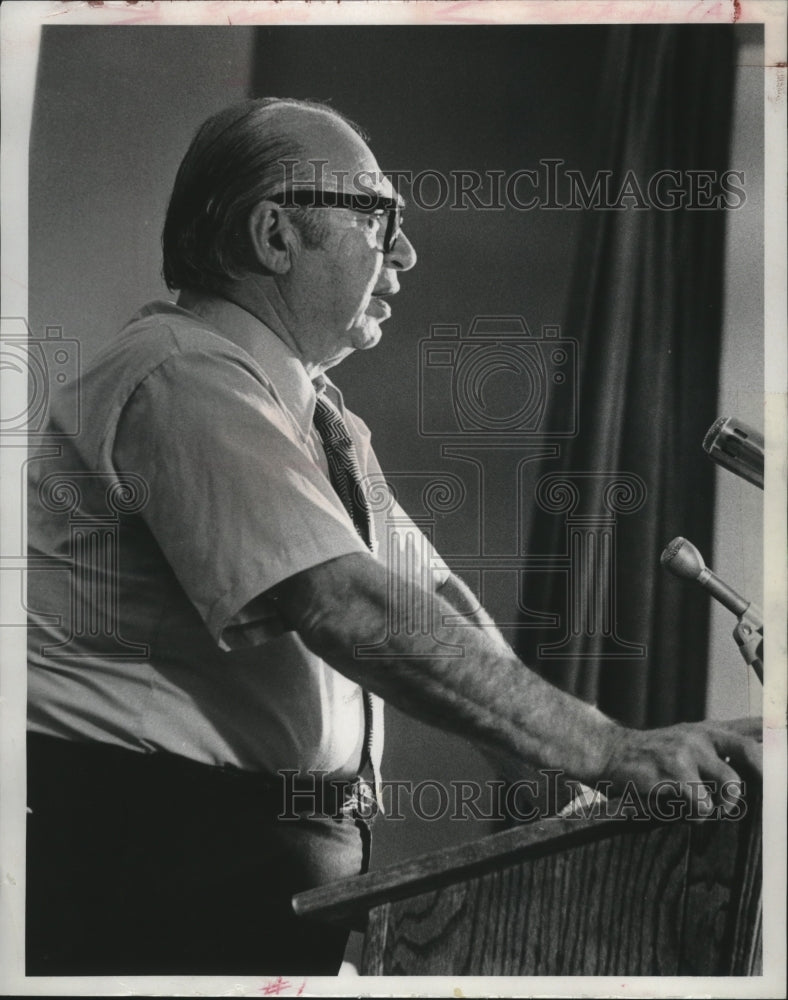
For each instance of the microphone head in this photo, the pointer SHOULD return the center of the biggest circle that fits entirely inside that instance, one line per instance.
(737, 447)
(683, 559)
(712, 433)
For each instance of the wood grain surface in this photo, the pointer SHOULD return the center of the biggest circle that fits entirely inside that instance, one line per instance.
(604, 908)
(566, 897)
(343, 901)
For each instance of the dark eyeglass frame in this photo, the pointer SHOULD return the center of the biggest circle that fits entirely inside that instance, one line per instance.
(368, 203)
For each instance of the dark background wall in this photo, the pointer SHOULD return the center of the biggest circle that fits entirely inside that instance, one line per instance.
(115, 109)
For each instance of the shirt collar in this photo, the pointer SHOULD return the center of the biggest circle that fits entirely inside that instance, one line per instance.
(280, 364)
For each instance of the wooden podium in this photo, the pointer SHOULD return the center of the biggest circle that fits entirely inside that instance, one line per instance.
(592, 897)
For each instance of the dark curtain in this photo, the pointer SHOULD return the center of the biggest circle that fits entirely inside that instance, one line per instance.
(646, 308)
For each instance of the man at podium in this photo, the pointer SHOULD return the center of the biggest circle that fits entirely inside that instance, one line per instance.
(206, 639)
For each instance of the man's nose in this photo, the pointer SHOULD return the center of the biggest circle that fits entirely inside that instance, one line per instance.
(403, 256)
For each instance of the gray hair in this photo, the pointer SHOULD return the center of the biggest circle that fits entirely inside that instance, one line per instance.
(236, 159)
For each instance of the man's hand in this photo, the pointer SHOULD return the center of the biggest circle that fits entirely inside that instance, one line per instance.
(714, 754)
(465, 679)
(718, 754)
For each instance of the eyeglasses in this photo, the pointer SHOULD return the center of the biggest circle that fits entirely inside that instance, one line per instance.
(367, 203)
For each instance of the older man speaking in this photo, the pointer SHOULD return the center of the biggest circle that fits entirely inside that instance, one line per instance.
(189, 649)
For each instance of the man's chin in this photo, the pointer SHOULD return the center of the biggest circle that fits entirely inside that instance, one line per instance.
(366, 336)
(361, 338)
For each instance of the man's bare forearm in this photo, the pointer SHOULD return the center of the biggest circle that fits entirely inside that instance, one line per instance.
(466, 606)
(485, 693)
(460, 677)
(469, 613)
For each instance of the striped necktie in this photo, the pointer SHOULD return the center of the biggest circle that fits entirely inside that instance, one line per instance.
(343, 465)
(345, 474)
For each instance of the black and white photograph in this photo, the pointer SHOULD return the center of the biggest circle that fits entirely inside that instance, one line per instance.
(393, 444)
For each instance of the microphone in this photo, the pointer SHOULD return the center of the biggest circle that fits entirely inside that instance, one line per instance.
(682, 559)
(737, 447)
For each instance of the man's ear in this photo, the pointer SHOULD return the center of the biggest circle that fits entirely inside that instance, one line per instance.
(272, 237)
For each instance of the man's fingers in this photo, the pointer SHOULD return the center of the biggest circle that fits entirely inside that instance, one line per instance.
(717, 770)
(745, 755)
(731, 756)
(740, 743)
(723, 783)
(734, 758)
(750, 726)
(708, 763)
(712, 764)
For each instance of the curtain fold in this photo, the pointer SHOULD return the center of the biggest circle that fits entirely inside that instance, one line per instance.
(646, 308)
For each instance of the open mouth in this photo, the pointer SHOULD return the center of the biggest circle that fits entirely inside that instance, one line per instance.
(378, 308)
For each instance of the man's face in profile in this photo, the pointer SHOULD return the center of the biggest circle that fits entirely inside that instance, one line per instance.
(337, 291)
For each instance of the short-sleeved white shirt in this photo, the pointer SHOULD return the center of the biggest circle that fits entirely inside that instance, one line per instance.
(195, 484)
